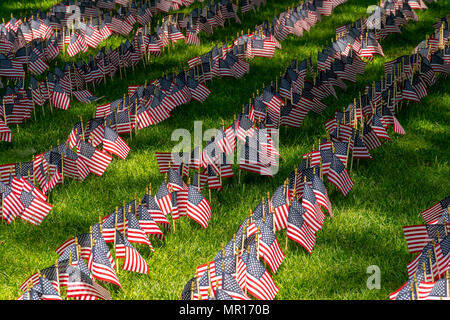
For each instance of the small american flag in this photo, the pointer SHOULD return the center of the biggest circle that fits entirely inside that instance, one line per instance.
(198, 207)
(259, 283)
(164, 199)
(100, 265)
(297, 229)
(339, 176)
(133, 261)
(97, 160)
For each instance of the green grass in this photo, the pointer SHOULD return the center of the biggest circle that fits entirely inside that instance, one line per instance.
(405, 177)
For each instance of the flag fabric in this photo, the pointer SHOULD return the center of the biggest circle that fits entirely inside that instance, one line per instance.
(81, 287)
(133, 261)
(35, 209)
(297, 229)
(339, 176)
(164, 198)
(281, 208)
(97, 161)
(100, 265)
(198, 207)
(259, 283)
(113, 143)
(60, 99)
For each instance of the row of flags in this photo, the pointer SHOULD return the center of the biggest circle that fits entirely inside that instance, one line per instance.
(145, 105)
(257, 155)
(60, 85)
(24, 185)
(92, 256)
(254, 240)
(297, 205)
(302, 18)
(428, 272)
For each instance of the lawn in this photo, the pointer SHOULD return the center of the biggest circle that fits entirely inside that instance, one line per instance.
(404, 177)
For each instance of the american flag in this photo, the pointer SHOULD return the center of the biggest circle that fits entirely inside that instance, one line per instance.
(35, 209)
(80, 286)
(341, 150)
(313, 215)
(133, 261)
(84, 96)
(369, 137)
(135, 233)
(74, 46)
(435, 211)
(113, 143)
(439, 290)
(198, 91)
(222, 142)
(254, 161)
(321, 194)
(100, 265)
(269, 248)
(359, 148)
(408, 92)
(198, 207)
(259, 283)
(147, 224)
(30, 294)
(418, 236)
(60, 99)
(46, 290)
(192, 36)
(231, 287)
(155, 211)
(163, 159)
(10, 69)
(176, 181)
(175, 34)
(406, 292)
(378, 128)
(36, 65)
(297, 229)
(281, 208)
(97, 160)
(213, 180)
(164, 199)
(338, 175)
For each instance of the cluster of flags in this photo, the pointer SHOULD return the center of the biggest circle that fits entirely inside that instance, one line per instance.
(240, 268)
(428, 272)
(60, 86)
(25, 184)
(80, 22)
(297, 204)
(302, 17)
(21, 198)
(252, 130)
(87, 257)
